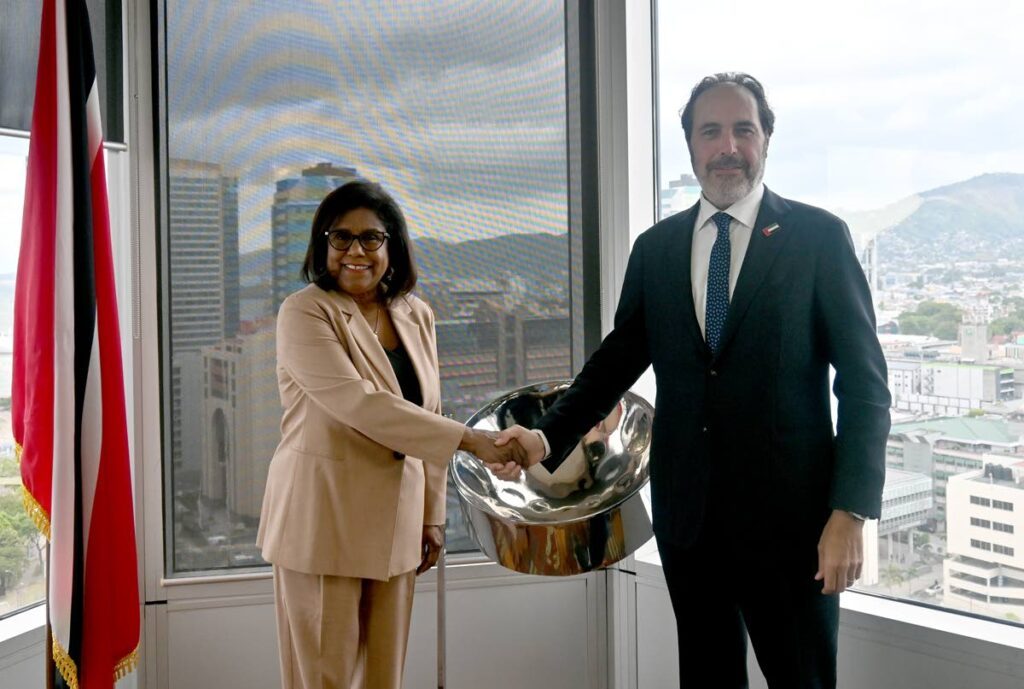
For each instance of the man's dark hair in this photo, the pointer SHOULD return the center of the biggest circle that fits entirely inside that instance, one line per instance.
(401, 275)
(743, 79)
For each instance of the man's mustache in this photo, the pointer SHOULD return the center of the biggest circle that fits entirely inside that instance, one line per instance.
(728, 163)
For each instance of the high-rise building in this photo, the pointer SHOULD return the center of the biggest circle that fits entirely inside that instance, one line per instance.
(229, 200)
(680, 195)
(942, 448)
(203, 269)
(295, 201)
(947, 388)
(241, 416)
(985, 524)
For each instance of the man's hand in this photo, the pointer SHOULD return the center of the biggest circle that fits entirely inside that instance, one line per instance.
(840, 552)
(430, 546)
(483, 445)
(529, 440)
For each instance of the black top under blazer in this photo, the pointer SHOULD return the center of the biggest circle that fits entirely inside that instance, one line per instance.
(758, 414)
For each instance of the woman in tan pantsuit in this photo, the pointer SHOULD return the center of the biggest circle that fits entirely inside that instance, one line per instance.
(355, 499)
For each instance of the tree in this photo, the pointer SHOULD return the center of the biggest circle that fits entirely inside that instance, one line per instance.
(1008, 324)
(23, 532)
(12, 553)
(912, 571)
(9, 467)
(934, 318)
(892, 575)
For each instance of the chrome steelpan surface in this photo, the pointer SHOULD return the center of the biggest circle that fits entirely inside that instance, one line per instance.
(586, 515)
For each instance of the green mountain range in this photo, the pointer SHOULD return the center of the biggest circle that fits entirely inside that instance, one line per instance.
(981, 218)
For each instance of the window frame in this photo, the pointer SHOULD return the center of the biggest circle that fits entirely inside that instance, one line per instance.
(879, 607)
(584, 237)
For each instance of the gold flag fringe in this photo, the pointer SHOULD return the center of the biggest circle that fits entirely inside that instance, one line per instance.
(64, 663)
(61, 658)
(34, 510)
(127, 664)
(69, 671)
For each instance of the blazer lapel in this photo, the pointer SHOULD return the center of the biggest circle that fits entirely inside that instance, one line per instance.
(409, 333)
(766, 242)
(368, 343)
(678, 280)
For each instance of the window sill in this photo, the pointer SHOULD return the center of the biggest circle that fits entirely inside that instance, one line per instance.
(21, 630)
(898, 612)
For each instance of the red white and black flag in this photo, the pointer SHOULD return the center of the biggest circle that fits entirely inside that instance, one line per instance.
(68, 407)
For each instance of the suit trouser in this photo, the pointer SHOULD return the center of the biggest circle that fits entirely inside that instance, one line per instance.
(722, 591)
(342, 632)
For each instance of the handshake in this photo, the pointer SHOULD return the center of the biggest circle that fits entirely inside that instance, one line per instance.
(505, 453)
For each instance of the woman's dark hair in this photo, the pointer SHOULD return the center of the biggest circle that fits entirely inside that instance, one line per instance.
(748, 82)
(401, 275)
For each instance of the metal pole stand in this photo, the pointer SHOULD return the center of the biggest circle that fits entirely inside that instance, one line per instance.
(441, 628)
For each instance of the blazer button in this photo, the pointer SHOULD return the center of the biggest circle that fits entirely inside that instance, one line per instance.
(704, 429)
(713, 373)
(398, 455)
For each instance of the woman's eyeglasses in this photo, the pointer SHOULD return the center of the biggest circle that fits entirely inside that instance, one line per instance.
(370, 240)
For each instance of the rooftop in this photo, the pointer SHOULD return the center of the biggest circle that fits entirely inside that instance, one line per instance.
(962, 428)
(897, 477)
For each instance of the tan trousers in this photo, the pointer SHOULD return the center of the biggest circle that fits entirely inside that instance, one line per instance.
(341, 632)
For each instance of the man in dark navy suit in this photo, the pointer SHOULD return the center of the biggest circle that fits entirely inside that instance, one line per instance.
(741, 304)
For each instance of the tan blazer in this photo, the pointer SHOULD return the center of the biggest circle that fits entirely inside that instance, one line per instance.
(338, 501)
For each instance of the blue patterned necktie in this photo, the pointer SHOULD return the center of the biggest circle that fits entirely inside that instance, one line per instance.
(718, 283)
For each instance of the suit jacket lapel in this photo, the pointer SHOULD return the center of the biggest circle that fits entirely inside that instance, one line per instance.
(409, 333)
(761, 254)
(368, 343)
(678, 280)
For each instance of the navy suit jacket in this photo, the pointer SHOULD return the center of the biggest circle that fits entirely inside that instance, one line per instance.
(752, 426)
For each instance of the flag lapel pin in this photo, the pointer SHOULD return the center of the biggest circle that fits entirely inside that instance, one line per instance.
(770, 230)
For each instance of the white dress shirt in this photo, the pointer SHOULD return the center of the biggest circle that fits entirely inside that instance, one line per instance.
(744, 215)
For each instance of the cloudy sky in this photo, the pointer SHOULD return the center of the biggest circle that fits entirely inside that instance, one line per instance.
(459, 107)
(874, 99)
(13, 155)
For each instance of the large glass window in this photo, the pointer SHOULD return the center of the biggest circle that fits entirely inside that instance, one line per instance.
(22, 547)
(458, 108)
(907, 127)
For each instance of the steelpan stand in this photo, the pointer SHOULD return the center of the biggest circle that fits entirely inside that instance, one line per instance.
(441, 627)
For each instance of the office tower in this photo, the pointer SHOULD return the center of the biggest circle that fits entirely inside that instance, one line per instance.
(202, 248)
(295, 201)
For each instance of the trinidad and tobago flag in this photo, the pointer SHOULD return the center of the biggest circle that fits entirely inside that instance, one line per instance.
(68, 408)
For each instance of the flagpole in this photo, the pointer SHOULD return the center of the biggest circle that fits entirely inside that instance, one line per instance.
(49, 633)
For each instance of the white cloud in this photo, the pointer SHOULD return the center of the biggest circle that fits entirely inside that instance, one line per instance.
(871, 97)
(13, 153)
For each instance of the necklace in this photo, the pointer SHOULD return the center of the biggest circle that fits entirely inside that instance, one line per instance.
(376, 320)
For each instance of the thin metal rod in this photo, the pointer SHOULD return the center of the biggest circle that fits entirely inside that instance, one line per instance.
(48, 655)
(441, 627)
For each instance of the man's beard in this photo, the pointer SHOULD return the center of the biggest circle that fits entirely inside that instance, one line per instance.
(725, 192)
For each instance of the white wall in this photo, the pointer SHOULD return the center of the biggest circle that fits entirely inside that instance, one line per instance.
(874, 652)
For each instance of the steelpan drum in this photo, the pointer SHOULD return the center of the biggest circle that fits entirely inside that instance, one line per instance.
(586, 515)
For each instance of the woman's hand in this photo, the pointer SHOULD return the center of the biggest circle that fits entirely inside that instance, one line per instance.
(430, 546)
(482, 445)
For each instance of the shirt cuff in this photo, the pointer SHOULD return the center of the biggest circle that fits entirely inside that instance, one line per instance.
(543, 439)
